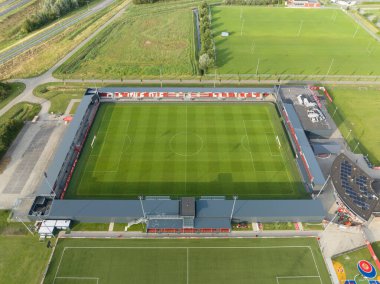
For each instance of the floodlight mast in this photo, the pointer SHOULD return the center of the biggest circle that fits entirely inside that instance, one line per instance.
(233, 207)
(142, 206)
(52, 191)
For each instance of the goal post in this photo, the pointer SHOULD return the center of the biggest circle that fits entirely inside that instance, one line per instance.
(93, 141)
(278, 141)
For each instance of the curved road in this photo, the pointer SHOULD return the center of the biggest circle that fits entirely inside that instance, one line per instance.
(46, 34)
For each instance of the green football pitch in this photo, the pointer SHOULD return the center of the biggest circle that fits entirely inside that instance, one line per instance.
(186, 149)
(292, 41)
(170, 261)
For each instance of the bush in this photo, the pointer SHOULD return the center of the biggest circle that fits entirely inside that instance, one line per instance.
(5, 90)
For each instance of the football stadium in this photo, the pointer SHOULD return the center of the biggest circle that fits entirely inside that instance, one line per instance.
(182, 160)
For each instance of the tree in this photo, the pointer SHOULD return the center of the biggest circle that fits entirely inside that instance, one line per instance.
(205, 62)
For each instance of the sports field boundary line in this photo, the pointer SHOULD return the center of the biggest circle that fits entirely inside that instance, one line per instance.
(187, 266)
(79, 277)
(315, 263)
(271, 153)
(282, 155)
(166, 247)
(292, 277)
(187, 257)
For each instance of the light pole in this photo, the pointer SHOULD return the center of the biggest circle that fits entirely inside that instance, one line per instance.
(336, 108)
(349, 133)
(319, 193)
(52, 192)
(18, 219)
(142, 206)
(336, 215)
(356, 147)
(257, 67)
(233, 207)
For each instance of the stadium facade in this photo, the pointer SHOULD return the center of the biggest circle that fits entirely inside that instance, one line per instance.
(184, 214)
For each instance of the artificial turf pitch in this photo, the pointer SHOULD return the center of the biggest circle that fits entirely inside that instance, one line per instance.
(196, 149)
(185, 261)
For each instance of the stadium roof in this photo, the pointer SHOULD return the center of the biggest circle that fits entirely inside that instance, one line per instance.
(205, 209)
(259, 208)
(187, 206)
(308, 153)
(326, 148)
(64, 146)
(215, 223)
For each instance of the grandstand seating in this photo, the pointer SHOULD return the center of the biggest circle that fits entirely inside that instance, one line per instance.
(181, 95)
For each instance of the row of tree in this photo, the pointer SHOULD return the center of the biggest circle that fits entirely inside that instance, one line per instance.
(253, 2)
(49, 11)
(207, 52)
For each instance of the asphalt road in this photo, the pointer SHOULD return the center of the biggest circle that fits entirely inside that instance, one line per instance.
(6, 3)
(13, 7)
(50, 32)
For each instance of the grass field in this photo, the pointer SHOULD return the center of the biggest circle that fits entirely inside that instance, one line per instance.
(292, 41)
(59, 95)
(348, 261)
(153, 42)
(212, 261)
(358, 110)
(186, 149)
(28, 264)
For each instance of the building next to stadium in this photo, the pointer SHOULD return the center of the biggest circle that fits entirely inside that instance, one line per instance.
(162, 214)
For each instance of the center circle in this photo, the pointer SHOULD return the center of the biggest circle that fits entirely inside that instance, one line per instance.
(186, 144)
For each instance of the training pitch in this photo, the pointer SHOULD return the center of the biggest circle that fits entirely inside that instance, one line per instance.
(212, 261)
(292, 41)
(195, 149)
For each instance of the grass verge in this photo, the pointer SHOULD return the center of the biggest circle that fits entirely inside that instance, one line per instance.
(278, 226)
